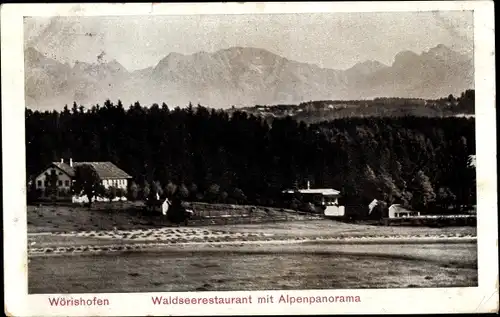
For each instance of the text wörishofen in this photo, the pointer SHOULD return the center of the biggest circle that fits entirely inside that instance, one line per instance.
(62, 301)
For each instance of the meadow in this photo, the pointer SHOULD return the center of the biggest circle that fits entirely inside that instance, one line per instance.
(113, 249)
(257, 267)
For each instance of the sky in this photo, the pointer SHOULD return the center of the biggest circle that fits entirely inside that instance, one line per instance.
(330, 40)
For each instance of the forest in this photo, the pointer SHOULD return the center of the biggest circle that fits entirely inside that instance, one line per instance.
(210, 155)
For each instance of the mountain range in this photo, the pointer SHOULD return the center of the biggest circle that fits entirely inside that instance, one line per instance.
(242, 76)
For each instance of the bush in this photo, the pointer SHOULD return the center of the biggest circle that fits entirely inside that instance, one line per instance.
(239, 196)
(223, 197)
(111, 193)
(308, 207)
(64, 193)
(120, 192)
(295, 203)
(146, 190)
(199, 196)
(176, 212)
(231, 201)
(213, 193)
(133, 192)
(182, 192)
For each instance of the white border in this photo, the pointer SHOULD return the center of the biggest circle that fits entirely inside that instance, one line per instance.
(480, 299)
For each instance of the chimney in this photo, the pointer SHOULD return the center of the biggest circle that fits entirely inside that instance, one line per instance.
(62, 160)
(308, 185)
(71, 162)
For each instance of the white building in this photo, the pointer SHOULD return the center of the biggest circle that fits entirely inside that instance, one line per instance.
(109, 174)
(398, 211)
(63, 177)
(324, 200)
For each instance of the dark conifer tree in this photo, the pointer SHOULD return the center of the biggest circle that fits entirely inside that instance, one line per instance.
(244, 158)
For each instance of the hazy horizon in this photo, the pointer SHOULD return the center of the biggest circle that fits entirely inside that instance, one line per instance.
(329, 40)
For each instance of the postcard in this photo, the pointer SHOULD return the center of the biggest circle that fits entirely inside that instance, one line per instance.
(249, 158)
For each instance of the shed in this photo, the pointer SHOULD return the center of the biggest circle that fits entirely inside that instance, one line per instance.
(398, 211)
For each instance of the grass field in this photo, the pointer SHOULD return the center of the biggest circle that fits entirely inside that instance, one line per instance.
(259, 268)
(122, 249)
(329, 228)
(132, 216)
(298, 231)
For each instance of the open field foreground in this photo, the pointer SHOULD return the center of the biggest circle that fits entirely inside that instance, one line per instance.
(258, 267)
(274, 233)
(78, 250)
(296, 256)
(133, 216)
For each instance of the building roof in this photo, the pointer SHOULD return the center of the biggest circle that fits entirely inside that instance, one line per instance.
(322, 191)
(105, 170)
(65, 168)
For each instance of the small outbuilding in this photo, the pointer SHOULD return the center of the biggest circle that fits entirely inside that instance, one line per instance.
(398, 211)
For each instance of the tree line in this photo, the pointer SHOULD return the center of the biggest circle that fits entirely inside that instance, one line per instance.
(321, 110)
(203, 154)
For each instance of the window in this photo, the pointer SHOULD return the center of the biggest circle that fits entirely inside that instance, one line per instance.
(66, 183)
(46, 183)
(39, 183)
(60, 173)
(59, 183)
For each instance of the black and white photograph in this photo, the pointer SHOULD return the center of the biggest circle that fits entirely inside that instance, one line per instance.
(249, 152)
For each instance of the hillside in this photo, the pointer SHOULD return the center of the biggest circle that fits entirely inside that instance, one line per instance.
(242, 76)
(325, 110)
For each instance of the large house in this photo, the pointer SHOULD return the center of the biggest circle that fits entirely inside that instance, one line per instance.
(109, 174)
(323, 200)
